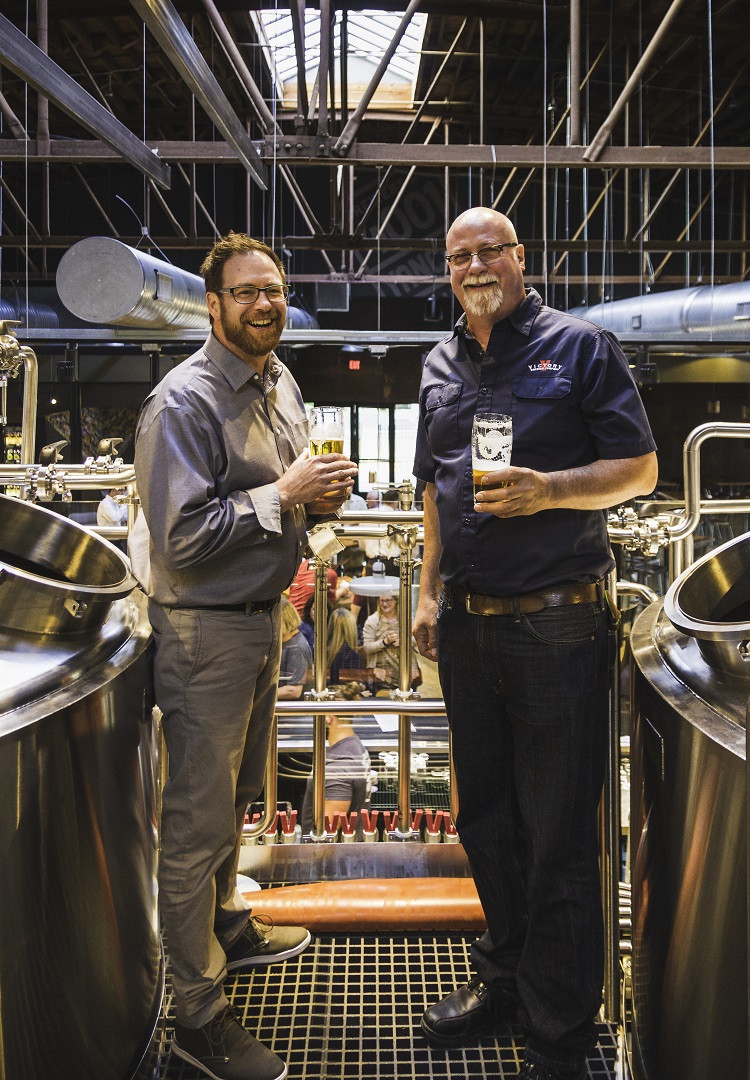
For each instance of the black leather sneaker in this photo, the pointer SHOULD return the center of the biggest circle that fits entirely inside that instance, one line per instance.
(263, 943)
(532, 1070)
(466, 1013)
(225, 1050)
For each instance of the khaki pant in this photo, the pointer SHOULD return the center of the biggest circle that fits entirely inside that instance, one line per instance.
(216, 674)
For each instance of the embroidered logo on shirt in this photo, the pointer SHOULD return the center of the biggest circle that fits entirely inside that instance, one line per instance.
(544, 365)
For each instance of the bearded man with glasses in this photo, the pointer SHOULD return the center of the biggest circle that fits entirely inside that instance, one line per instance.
(513, 608)
(226, 485)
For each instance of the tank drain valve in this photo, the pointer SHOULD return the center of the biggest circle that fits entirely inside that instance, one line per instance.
(370, 825)
(348, 826)
(290, 831)
(433, 820)
(451, 836)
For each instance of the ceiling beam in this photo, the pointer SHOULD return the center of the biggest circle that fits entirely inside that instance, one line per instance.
(25, 59)
(162, 19)
(311, 150)
(393, 243)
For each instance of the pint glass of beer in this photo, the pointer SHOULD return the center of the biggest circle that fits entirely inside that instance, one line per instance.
(491, 444)
(326, 431)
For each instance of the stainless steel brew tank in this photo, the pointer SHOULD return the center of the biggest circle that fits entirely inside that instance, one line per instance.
(689, 824)
(81, 971)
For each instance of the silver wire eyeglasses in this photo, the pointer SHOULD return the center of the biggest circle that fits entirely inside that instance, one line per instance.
(488, 255)
(248, 294)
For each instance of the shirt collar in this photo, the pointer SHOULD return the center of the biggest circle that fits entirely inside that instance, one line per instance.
(522, 319)
(236, 371)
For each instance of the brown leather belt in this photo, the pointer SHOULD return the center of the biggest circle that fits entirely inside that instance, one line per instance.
(528, 603)
(250, 607)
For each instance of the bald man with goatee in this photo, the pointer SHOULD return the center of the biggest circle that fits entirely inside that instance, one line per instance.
(513, 607)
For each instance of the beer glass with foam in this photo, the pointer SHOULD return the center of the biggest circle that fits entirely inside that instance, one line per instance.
(491, 444)
(326, 431)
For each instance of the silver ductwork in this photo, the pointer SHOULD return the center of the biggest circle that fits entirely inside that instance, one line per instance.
(30, 314)
(701, 313)
(102, 280)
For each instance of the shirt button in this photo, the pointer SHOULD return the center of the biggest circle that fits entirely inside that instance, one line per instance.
(483, 390)
(467, 521)
(265, 536)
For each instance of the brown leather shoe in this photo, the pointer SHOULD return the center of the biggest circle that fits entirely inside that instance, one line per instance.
(467, 1013)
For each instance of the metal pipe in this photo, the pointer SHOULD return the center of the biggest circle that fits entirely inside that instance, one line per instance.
(344, 141)
(575, 73)
(170, 31)
(680, 555)
(708, 506)
(594, 149)
(406, 536)
(42, 114)
(323, 72)
(320, 693)
(270, 788)
(12, 357)
(265, 115)
(610, 837)
(28, 415)
(635, 588)
(298, 31)
(17, 129)
(414, 706)
(691, 470)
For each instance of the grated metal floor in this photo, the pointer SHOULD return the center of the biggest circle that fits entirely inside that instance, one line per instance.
(349, 1007)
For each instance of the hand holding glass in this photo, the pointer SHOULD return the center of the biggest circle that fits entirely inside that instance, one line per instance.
(326, 431)
(491, 445)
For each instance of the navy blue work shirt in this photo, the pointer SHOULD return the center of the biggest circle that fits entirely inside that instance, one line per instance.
(567, 385)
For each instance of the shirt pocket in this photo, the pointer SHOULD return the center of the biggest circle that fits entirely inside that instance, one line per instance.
(299, 437)
(441, 416)
(540, 408)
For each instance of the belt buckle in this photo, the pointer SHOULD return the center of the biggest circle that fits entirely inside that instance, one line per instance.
(470, 609)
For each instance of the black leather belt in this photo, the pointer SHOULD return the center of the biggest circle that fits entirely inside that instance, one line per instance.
(250, 607)
(528, 603)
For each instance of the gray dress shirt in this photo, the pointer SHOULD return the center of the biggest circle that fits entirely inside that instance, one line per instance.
(212, 438)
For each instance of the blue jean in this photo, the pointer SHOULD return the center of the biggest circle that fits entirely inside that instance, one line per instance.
(527, 704)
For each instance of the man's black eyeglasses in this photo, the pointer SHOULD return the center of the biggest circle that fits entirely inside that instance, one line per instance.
(488, 255)
(248, 294)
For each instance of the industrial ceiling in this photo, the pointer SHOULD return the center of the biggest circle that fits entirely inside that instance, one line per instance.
(615, 135)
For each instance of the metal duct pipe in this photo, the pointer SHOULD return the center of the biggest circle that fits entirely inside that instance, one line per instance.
(104, 281)
(704, 311)
(31, 315)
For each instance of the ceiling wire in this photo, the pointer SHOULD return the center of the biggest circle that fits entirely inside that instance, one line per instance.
(712, 202)
(544, 160)
(26, 174)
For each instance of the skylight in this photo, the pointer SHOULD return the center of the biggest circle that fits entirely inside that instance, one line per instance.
(370, 33)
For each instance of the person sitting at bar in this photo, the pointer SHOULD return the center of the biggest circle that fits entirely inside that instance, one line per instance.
(295, 674)
(342, 651)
